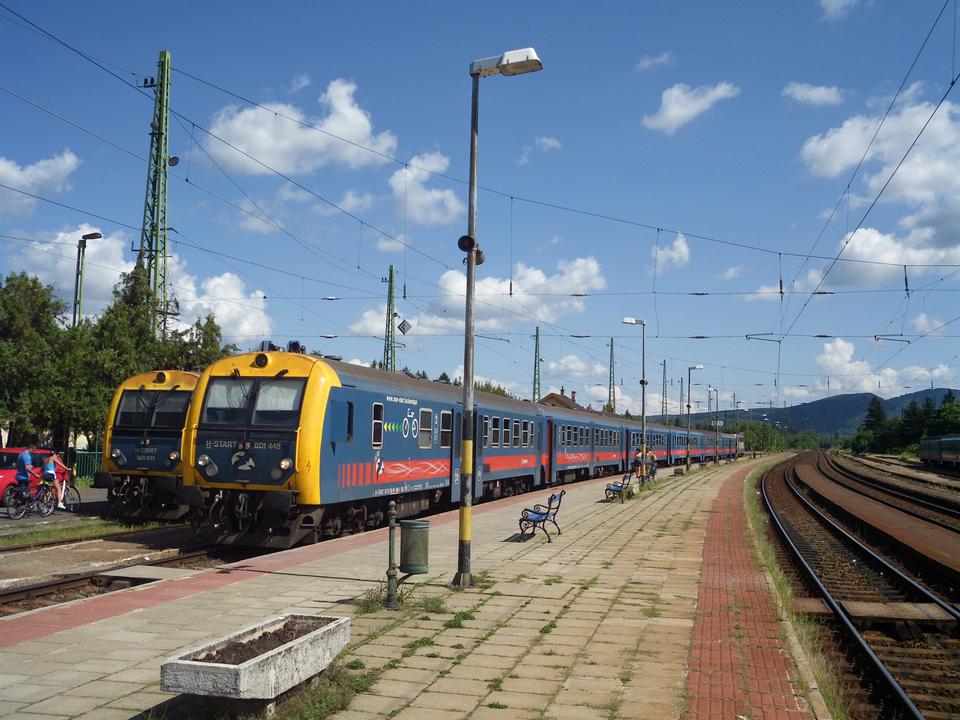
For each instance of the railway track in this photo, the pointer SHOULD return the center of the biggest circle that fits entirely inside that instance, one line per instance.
(919, 505)
(943, 476)
(76, 586)
(899, 641)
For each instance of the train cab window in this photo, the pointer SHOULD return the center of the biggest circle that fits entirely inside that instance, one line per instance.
(486, 431)
(495, 435)
(446, 429)
(376, 432)
(425, 438)
(516, 433)
(506, 432)
(277, 402)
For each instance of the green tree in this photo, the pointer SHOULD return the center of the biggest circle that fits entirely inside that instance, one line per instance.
(31, 320)
(876, 415)
(489, 387)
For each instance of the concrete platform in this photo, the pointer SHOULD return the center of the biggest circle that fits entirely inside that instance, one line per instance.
(148, 572)
(637, 610)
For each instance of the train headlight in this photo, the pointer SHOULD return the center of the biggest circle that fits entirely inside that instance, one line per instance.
(174, 456)
(207, 466)
(203, 461)
(286, 464)
(276, 474)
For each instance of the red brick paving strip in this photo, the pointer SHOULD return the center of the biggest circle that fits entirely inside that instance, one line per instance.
(737, 665)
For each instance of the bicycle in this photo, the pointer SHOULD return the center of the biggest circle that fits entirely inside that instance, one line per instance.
(71, 496)
(21, 501)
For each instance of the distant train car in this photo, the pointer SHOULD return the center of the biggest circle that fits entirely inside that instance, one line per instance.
(941, 450)
(282, 448)
(141, 466)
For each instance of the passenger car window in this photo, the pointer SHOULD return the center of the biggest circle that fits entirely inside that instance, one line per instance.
(516, 433)
(376, 431)
(446, 428)
(425, 438)
(506, 432)
(495, 441)
(486, 431)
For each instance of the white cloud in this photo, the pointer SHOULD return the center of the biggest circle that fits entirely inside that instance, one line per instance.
(358, 361)
(44, 177)
(680, 104)
(389, 245)
(813, 94)
(576, 367)
(542, 143)
(351, 202)
(254, 220)
(851, 375)
(535, 295)
(424, 205)
(837, 9)
(292, 148)
(289, 192)
(675, 255)
(237, 311)
(298, 82)
(924, 324)
(54, 262)
(796, 392)
(651, 61)
(732, 272)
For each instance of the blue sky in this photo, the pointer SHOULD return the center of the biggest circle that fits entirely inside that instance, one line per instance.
(732, 121)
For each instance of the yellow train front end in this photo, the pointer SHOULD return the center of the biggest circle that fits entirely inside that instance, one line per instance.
(141, 468)
(252, 449)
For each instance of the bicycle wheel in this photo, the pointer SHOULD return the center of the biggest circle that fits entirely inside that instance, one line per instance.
(46, 501)
(71, 498)
(21, 503)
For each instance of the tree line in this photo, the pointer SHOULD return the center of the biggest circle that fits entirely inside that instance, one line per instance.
(57, 380)
(903, 434)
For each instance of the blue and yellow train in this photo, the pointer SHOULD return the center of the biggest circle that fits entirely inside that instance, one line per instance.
(282, 448)
(141, 467)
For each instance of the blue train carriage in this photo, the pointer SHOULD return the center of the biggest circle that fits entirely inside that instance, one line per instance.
(141, 467)
(582, 444)
(941, 450)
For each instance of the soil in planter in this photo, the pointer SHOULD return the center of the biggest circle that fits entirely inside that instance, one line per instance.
(240, 651)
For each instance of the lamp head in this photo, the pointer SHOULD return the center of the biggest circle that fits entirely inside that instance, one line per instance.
(512, 62)
(92, 236)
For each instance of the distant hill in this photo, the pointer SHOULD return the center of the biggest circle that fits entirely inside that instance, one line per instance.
(840, 413)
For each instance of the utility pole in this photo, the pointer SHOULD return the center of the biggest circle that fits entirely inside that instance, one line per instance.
(390, 332)
(663, 395)
(153, 235)
(536, 367)
(78, 278)
(612, 391)
(681, 395)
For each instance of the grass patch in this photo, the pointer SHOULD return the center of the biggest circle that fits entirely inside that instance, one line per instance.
(548, 628)
(495, 684)
(96, 528)
(587, 584)
(433, 604)
(457, 620)
(607, 564)
(483, 580)
(806, 630)
(85, 481)
(356, 664)
(419, 643)
(497, 706)
(553, 580)
(333, 691)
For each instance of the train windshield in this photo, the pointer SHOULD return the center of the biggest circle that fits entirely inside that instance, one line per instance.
(265, 402)
(164, 409)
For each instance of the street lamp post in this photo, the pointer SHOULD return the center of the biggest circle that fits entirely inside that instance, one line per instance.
(78, 278)
(689, 369)
(513, 62)
(643, 390)
(716, 419)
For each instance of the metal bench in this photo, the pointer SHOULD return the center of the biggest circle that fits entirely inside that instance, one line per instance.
(619, 489)
(539, 515)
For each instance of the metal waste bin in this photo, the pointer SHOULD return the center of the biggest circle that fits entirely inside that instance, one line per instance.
(414, 546)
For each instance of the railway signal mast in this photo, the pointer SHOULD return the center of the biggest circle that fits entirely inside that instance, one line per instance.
(390, 332)
(153, 235)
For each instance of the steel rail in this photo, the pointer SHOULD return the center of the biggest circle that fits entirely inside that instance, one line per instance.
(898, 692)
(108, 536)
(880, 487)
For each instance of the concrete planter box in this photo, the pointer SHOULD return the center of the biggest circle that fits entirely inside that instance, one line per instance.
(265, 676)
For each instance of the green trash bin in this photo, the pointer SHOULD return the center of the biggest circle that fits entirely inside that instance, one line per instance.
(414, 546)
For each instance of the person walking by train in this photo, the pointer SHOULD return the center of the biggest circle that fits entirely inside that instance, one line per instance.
(638, 465)
(650, 461)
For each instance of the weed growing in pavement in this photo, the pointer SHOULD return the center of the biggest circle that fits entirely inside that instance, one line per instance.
(513, 676)
(458, 646)
(497, 706)
(483, 579)
(356, 664)
(548, 628)
(495, 684)
(607, 564)
(458, 619)
(418, 643)
(333, 691)
(587, 584)
(433, 604)
(807, 630)
(433, 655)
(553, 580)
